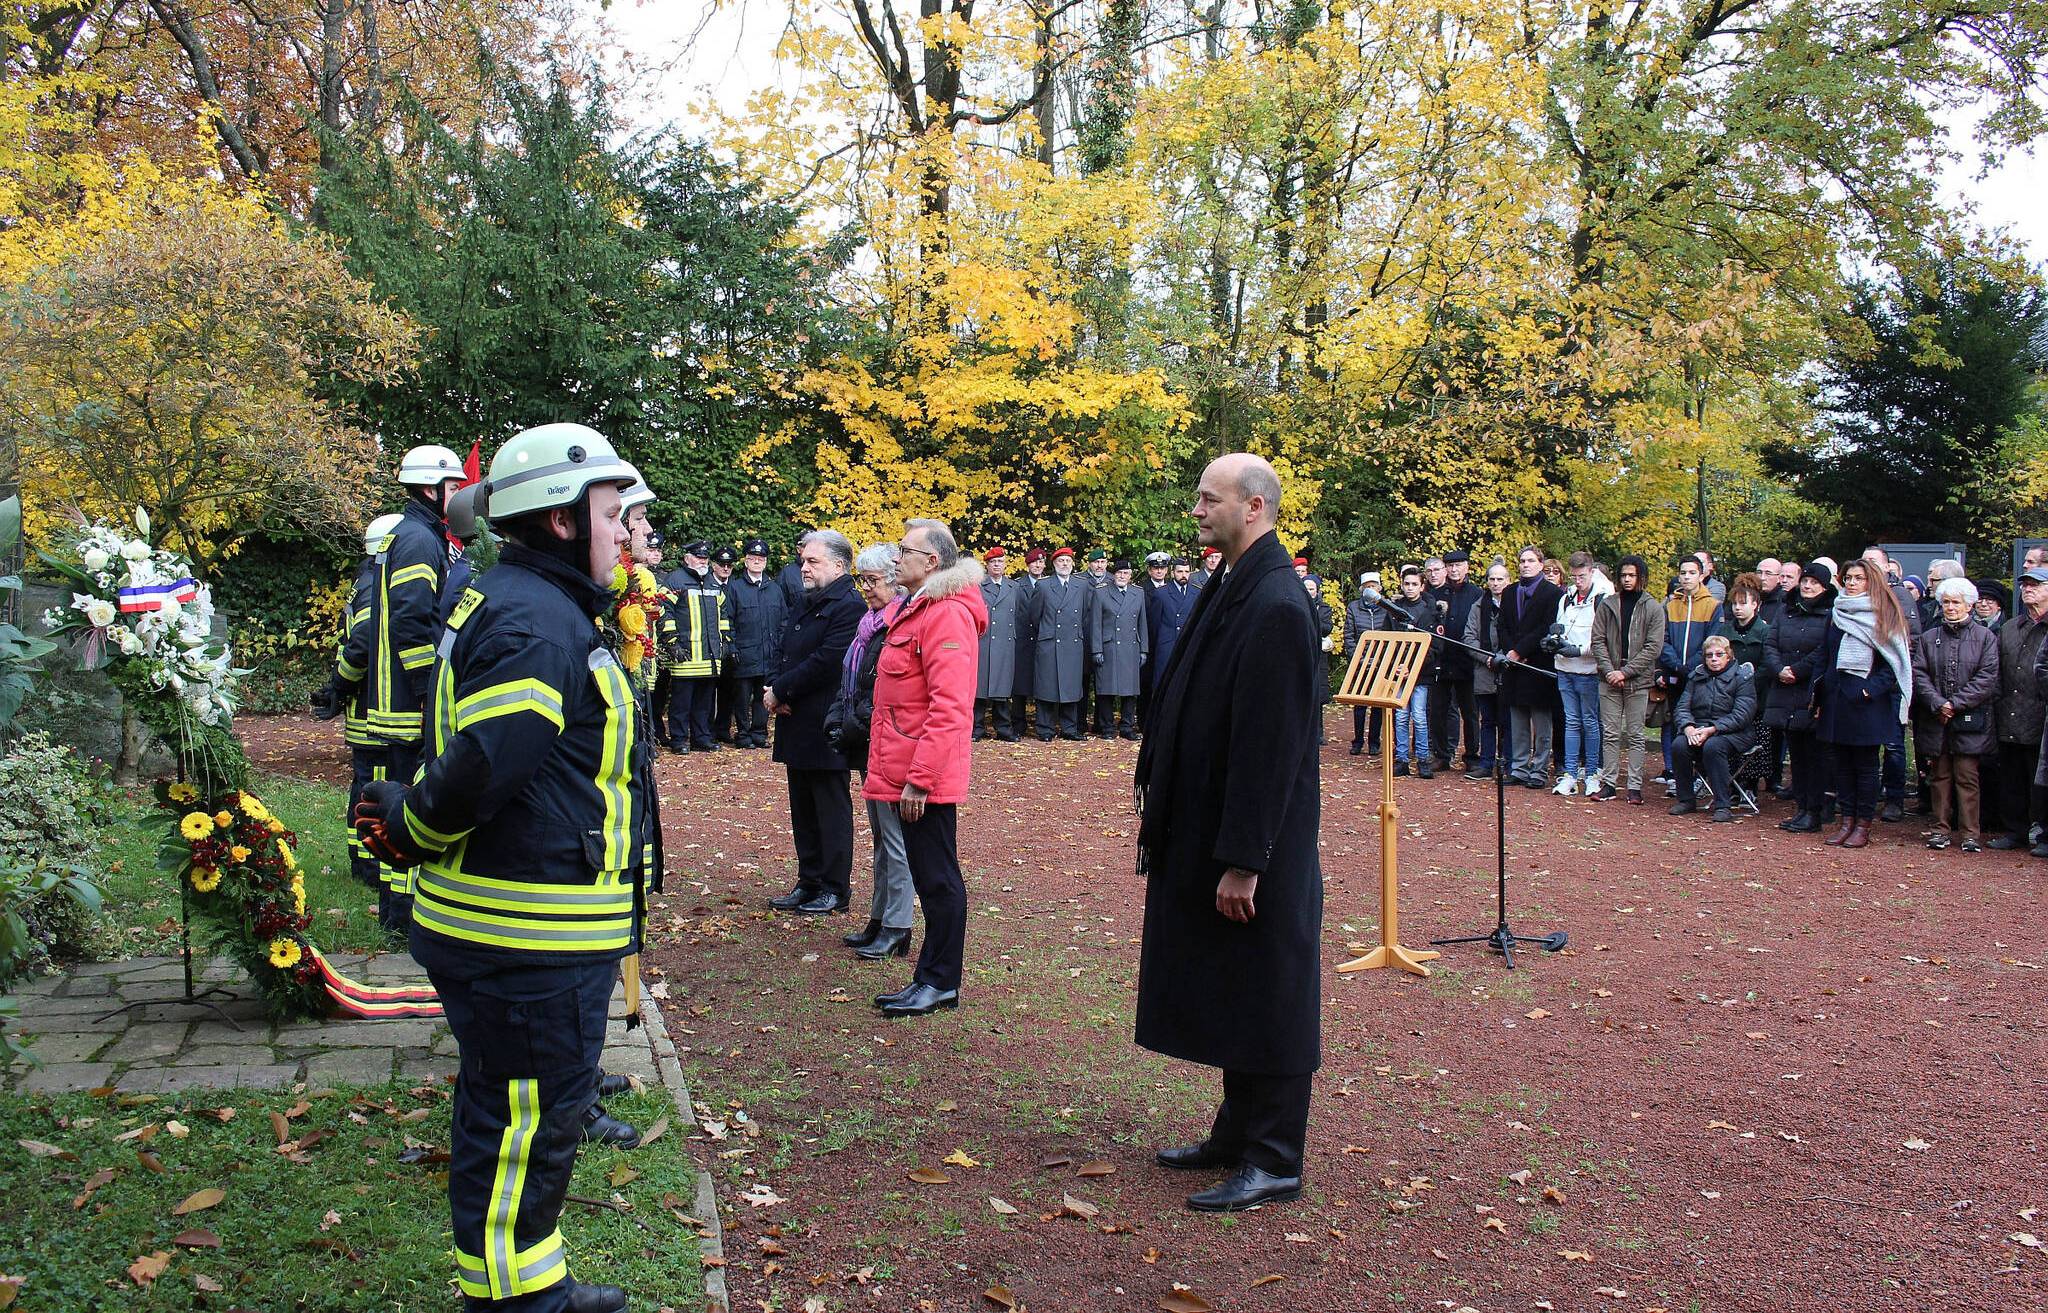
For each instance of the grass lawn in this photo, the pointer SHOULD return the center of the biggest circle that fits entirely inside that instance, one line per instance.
(90, 1221)
(143, 900)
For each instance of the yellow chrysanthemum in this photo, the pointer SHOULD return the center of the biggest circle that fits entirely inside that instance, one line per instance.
(632, 620)
(239, 853)
(223, 818)
(631, 655)
(285, 953)
(298, 899)
(196, 826)
(253, 808)
(182, 792)
(619, 579)
(291, 863)
(276, 826)
(205, 879)
(643, 580)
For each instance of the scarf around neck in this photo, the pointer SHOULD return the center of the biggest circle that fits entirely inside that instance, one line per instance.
(1856, 617)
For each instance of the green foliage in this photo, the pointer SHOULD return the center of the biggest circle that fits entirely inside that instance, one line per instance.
(53, 818)
(569, 272)
(1920, 416)
(278, 1250)
(284, 596)
(21, 654)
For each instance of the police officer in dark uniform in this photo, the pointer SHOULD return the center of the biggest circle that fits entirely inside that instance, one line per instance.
(528, 826)
(757, 607)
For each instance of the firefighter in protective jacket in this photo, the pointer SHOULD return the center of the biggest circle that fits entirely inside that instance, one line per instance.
(527, 826)
(343, 696)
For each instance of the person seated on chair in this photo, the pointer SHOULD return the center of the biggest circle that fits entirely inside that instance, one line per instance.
(1716, 724)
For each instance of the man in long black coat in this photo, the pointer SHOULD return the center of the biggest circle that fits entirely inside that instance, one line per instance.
(1231, 970)
(806, 680)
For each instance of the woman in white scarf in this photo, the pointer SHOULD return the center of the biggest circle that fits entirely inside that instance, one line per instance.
(1861, 695)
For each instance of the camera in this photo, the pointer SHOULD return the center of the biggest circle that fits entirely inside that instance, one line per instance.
(1553, 642)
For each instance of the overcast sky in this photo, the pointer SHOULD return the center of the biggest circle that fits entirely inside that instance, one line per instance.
(725, 51)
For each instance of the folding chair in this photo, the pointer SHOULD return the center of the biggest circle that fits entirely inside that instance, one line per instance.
(1747, 775)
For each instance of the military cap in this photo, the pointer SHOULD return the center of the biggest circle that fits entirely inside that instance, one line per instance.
(725, 556)
(755, 547)
(699, 547)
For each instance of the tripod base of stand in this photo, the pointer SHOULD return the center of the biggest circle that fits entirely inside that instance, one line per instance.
(1391, 955)
(1503, 940)
(186, 999)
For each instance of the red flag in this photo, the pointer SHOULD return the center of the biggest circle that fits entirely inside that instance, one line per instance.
(472, 465)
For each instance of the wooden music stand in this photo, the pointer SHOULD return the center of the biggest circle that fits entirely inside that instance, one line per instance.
(1384, 671)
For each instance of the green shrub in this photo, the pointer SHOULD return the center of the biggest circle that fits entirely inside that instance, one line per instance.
(54, 812)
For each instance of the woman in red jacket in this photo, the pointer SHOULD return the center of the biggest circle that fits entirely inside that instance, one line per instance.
(920, 746)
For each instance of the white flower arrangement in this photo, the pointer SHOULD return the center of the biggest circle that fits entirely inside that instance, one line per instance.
(146, 618)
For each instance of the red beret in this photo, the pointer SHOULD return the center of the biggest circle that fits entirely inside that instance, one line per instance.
(1063, 551)
(993, 554)
(1035, 554)
(1301, 560)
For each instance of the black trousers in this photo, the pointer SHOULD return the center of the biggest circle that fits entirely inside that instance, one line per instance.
(690, 703)
(1810, 762)
(994, 713)
(1856, 780)
(1115, 715)
(1365, 723)
(821, 823)
(1020, 712)
(726, 707)
(1715, 759)
(1067, 713)
(749, 712)
(931, 847)
(1445, 728)
(396, 761)
(1263, 1121)
(2019, 802)
(529, 1039)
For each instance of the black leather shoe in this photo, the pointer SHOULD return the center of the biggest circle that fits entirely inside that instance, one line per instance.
(595, 1299)
(2005, 843)
(1006, 738)
(1247, 1187)
(1476, 774)
(1892, 812)
(1683, 808)
(796, 897)
(885, 944)
(919, 1000)
(1357, 749)
(1723, 814)
(1073, 738)
(820, 904)
(600, 1127)
(1425, 771)
(884, 1000)
(1190, 1156)
(1803, 823)
(610, 1083)
(862, 938)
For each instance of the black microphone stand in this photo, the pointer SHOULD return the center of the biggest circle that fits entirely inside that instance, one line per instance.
(1502, 937)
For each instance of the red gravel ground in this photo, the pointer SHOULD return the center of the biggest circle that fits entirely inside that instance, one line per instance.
(1764, 1075)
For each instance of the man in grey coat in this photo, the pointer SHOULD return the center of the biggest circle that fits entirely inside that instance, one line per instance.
(1118, 647)
(1061, 615)
(995, 680)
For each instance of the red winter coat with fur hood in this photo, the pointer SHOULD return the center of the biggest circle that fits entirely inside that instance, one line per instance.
(924, 690)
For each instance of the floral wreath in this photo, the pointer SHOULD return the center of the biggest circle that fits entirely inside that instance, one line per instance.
(635, 617)
(141, 616)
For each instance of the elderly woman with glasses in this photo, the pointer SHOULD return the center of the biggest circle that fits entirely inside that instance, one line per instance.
(848, 722)
(1716, 722)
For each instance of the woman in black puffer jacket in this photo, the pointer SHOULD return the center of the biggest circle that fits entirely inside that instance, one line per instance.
(1791, 651)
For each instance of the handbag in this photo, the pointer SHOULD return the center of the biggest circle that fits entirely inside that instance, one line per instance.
(1970, 722)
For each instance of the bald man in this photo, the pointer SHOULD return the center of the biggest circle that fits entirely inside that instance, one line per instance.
(1230, 972)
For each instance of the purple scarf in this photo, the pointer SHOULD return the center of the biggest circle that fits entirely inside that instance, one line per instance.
(873, 621)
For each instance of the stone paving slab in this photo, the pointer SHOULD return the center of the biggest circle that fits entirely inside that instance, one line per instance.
(169, 1046)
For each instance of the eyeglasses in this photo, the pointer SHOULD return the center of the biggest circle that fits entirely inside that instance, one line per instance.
(906, 547)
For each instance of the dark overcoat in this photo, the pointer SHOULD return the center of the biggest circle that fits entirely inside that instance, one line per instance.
(1796, 643)
(1522, 628)
(757, 611)
(814, 644)
(1855, 710)
(1228, 777)
(1020, 682)
(1118, 639)
(1061, 616)
(2020, 711)
(1960, 667)
(1166, 614)
(996, 676)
